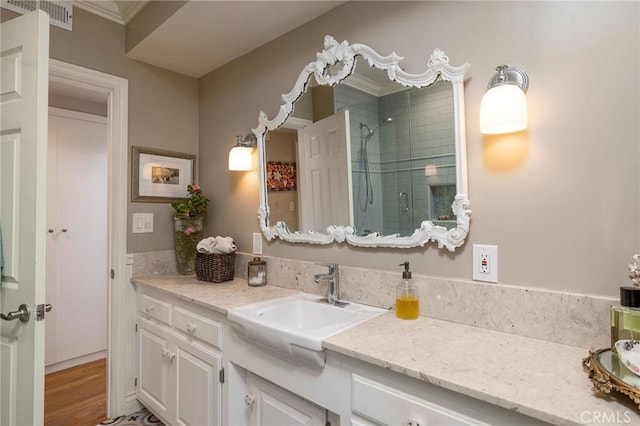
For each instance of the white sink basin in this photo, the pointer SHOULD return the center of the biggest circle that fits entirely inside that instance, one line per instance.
(295, 326)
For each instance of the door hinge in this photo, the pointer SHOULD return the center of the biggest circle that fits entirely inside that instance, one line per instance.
(113, 274)
(135, 382)
(221, 375)
(136, 328)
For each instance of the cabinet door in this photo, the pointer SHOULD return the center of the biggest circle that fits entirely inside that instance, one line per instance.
(155, 359)
(271, 405)
(198, 391)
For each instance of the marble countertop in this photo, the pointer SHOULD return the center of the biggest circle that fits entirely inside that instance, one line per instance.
(537, 378)
(219, 297)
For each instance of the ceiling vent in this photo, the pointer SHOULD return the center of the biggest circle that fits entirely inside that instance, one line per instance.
(60, 12)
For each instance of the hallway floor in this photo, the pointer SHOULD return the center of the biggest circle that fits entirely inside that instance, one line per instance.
(76, 396)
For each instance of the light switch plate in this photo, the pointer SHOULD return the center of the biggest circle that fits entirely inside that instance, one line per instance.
(485, 263)
(142, 223)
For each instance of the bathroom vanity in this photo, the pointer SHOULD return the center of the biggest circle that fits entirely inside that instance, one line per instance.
(179, 360)
(381, 371)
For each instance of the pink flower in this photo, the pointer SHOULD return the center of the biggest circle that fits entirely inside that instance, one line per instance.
(189, 230)
(196, 188)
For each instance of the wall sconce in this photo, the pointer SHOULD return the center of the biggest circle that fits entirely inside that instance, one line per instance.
(240, 154)
(504, 107)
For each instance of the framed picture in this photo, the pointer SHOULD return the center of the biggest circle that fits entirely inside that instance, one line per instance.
(159, 176)
(281, 176)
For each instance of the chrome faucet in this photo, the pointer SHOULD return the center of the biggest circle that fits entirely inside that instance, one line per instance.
(333, 278)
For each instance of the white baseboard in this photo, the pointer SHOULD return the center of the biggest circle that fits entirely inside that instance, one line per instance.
(131, 404)
(63, 365)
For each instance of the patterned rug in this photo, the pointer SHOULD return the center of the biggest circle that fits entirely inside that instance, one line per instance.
(141, 418)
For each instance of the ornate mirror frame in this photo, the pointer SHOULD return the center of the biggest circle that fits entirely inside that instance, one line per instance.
(344, 55)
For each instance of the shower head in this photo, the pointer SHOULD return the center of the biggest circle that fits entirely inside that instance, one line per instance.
(380, 124)
(370, 132)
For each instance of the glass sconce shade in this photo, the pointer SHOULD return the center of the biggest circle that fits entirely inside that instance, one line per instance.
(504, 107)
(240, 154)
(503, 110)
(240, 158)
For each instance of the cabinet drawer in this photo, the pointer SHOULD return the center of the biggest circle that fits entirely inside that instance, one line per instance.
(386, 405)
(155, 309)
(198, 327)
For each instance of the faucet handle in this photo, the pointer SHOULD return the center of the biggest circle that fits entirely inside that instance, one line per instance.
(333, 267)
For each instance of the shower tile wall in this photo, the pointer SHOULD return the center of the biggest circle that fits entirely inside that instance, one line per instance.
(363, 108)
(432, 144)
(407, 156)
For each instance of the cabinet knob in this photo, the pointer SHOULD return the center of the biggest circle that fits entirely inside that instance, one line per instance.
(414, 422)
(249, 400)
(64, 229)
(167, 354)
(191, 328)
(50, 230)
(148, 308)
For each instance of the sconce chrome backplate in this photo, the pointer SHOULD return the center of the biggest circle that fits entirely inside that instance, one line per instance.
(509, 75)
(248, 141)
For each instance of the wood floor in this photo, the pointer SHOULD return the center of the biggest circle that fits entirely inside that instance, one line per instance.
(76, 396)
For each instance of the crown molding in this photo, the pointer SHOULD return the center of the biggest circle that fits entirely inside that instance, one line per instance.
(117, 11)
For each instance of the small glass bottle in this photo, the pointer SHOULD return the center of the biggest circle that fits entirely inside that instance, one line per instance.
(407, 298)
(257, 272)
(625, 319)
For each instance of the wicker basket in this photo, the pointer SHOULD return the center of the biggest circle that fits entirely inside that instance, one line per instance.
(215, 268)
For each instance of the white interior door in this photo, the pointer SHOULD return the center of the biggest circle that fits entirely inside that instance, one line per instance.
(23, 171)
(77, 239)
(325, 173)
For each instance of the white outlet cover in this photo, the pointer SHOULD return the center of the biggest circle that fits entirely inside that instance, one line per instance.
(257, 243)
(485, 263)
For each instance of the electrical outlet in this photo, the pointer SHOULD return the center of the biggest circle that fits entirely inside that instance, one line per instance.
(257, 243)
(485, 263)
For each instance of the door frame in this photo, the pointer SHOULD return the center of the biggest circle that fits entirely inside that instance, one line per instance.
(120, 290)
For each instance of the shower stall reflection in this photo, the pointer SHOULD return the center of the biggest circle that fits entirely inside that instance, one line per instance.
(402, 157)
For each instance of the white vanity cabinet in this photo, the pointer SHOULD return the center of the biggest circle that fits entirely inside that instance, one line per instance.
(154, 384)
(383, 397)
(385, 405)
(270, 405)
(179, 360)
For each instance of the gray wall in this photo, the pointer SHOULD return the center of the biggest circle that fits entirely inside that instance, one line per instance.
(76, 104)
(163, 105)
(561, 200)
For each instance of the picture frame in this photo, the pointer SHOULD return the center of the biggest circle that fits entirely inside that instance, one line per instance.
(281, 176)
(159, 176)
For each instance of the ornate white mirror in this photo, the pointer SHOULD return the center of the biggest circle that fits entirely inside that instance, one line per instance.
(380, 159)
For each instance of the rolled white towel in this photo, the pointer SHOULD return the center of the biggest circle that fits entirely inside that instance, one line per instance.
(224, 245)
(206, 245)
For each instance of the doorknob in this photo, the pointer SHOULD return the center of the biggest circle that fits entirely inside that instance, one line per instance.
(23, 314)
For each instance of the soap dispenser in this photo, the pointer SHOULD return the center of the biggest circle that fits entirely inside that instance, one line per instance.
(407, 298)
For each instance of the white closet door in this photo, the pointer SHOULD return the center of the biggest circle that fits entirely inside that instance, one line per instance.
(79, 224)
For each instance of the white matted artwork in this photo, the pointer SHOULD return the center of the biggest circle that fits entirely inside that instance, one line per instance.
(160, 176)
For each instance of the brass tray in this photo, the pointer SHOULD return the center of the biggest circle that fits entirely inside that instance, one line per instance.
(608, 373)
